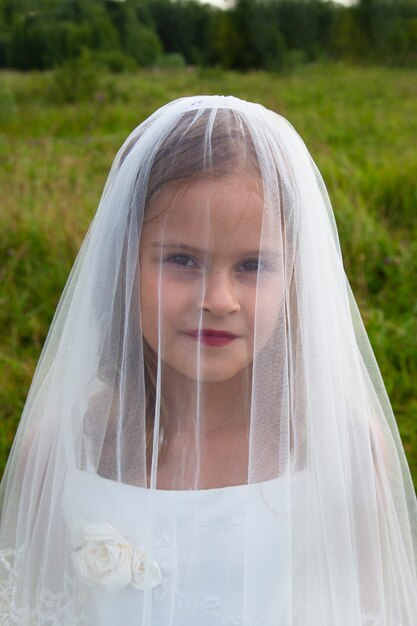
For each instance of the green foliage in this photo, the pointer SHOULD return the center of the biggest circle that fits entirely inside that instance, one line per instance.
(306, 25)
(347, 40)
(41, 43)
(260, 43)
(145, 46)
(226, 41)
(251, 34)
(174, 60)
(393, 193)
(138, 39)
(402, 41)
(116, 62)
(76, 80)
(8, 106)
(183, 26)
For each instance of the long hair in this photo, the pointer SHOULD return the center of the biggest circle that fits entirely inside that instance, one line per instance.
(181, 159)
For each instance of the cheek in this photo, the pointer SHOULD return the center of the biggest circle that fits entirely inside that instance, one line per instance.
(268, 313)
(149, 306)
(148, 297)
(170, 303)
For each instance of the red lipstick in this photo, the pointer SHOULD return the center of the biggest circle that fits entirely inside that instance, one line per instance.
(212, 337)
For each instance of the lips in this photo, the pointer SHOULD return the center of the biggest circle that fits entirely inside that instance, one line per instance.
(208, 332)
(212, 337)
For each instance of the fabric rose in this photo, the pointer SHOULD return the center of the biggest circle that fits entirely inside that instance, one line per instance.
(105, 558)
(145, 574)
(108, 560)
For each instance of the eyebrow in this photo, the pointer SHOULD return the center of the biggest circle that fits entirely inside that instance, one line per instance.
(186, 248)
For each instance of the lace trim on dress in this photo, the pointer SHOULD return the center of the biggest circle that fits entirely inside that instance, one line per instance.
(53, 609)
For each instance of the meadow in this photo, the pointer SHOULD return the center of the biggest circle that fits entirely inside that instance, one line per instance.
(57, 142)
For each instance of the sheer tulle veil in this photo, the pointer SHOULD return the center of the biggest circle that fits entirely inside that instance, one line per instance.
(207, 344)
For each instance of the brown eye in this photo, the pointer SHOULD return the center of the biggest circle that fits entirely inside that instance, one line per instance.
(183, 260)
(253, 265)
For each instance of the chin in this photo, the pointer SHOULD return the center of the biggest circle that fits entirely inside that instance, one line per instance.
(212, 375)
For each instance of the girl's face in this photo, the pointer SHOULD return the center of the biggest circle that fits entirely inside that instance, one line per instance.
(201, 271)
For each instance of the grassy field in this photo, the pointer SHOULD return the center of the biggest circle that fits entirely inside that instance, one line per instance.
(360, 126)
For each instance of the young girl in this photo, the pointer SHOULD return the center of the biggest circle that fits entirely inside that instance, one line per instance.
(207, 440)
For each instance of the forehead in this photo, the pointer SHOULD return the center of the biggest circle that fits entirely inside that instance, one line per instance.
(208, 212)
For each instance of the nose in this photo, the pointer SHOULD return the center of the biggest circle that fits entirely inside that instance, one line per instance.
(219, 294)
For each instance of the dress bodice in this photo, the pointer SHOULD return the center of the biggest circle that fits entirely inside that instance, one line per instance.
(222, 554)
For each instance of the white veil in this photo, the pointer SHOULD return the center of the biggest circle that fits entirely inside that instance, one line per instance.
(207, 439)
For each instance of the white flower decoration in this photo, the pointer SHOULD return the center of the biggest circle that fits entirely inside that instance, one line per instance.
(108, 560)
(145, 573)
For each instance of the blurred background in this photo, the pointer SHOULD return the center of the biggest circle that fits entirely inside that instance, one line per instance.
(76, 76)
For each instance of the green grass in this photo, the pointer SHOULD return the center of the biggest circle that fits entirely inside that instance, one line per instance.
(360, 125)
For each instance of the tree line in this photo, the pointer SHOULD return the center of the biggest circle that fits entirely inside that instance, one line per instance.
(251, 34)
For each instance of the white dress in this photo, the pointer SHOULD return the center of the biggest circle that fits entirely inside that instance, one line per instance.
(199, 541)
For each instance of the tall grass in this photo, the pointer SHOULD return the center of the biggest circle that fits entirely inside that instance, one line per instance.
(360, 126)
